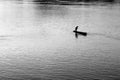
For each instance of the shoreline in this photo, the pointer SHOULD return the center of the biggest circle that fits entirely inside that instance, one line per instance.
(76, 3)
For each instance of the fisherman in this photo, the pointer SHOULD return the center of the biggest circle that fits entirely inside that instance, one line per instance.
(76, 28)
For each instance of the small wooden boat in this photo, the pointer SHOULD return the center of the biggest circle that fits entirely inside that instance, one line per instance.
(81, 33)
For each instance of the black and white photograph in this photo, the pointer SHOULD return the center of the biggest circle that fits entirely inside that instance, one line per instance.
(59, 39)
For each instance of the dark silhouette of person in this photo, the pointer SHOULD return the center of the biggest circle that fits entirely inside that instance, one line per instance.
(76, 28)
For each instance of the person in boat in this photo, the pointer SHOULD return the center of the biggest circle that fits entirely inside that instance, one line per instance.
(79, 32)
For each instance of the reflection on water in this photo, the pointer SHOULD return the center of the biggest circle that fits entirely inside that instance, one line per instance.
(52, 10)
(37, 42)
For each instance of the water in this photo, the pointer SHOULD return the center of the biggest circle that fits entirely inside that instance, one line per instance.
(37, 42)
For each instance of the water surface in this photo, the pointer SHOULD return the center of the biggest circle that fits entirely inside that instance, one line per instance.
(37, 42)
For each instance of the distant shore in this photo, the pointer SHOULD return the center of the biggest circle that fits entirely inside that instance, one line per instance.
(76, 3)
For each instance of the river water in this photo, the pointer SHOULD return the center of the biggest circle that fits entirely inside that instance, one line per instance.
(37, 41)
